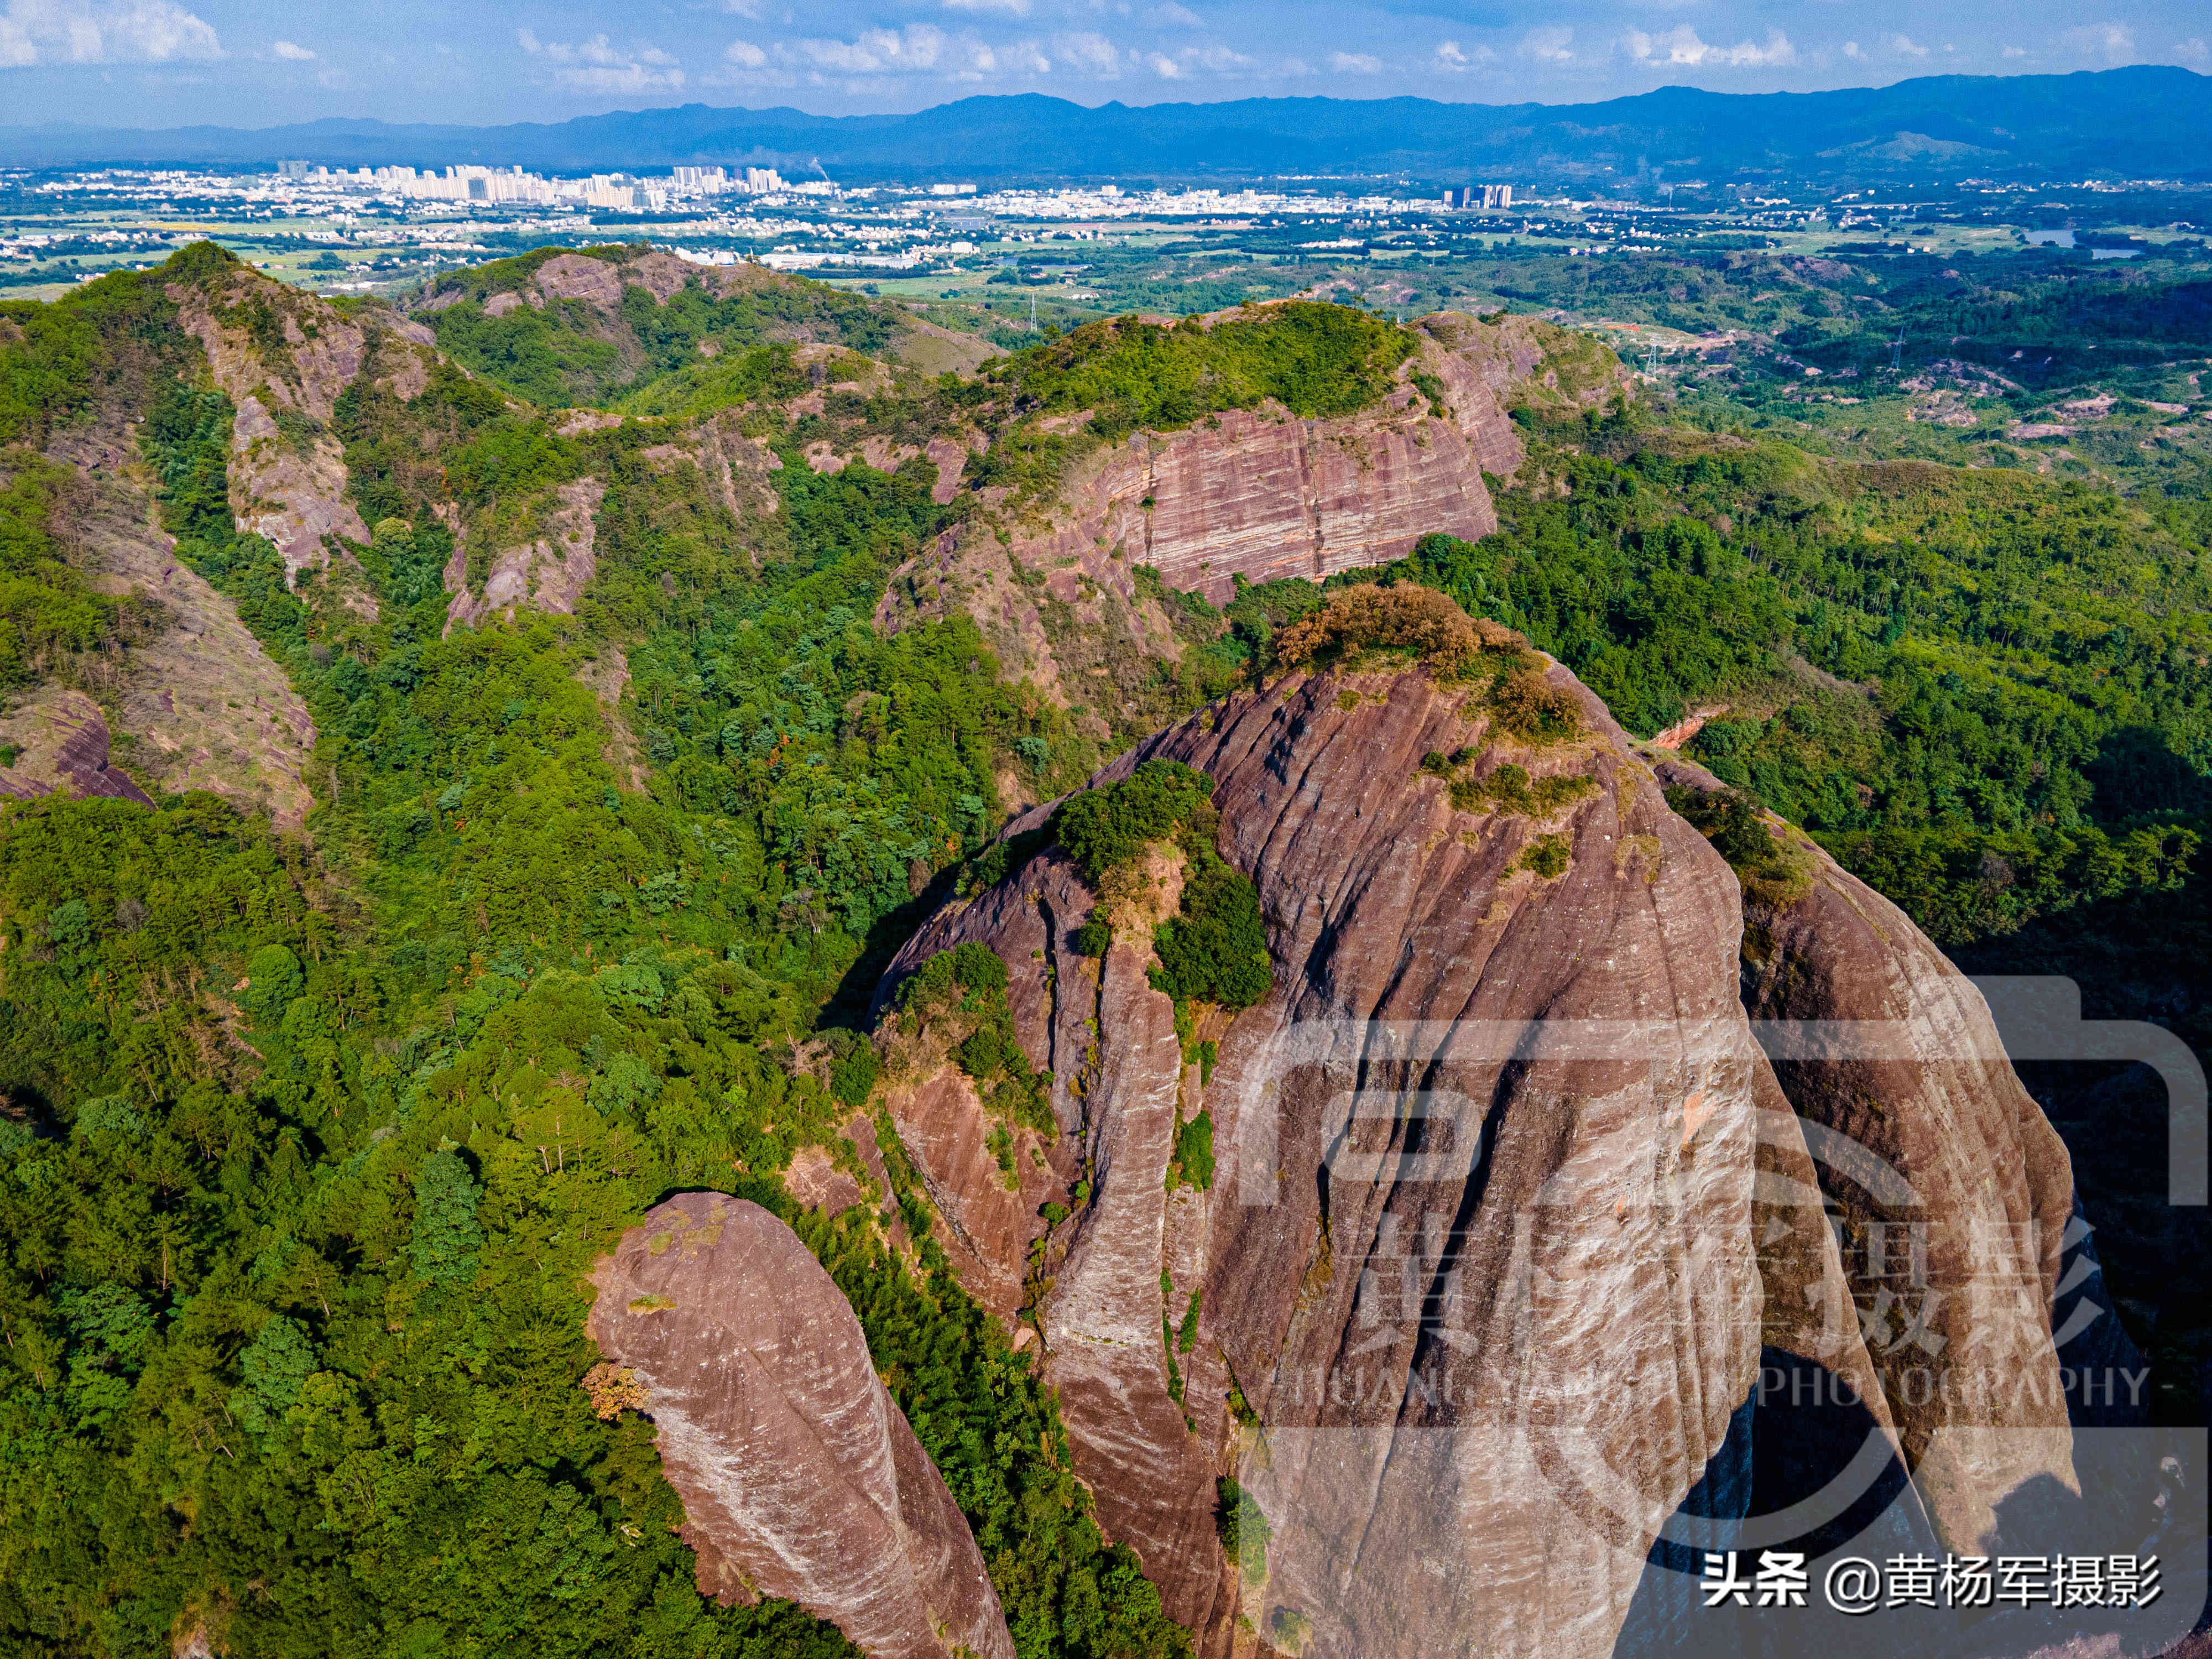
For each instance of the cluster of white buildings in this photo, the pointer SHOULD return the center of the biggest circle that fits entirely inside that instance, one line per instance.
(512, 187)
(1480, 196)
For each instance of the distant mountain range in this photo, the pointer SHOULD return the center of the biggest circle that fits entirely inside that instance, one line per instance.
(2139, 122)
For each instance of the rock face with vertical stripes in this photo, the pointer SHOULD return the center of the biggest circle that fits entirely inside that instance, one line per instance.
(1508, 1201)
(1488, 1283)
(1953, 1193)
(799, 1476)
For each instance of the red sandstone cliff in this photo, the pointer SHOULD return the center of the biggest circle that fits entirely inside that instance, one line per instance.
(1477, 1252)
(1952, 1190)
(1508, 1196)
(1259, 493)
(799, 1476)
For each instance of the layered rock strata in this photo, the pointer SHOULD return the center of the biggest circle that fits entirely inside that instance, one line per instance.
(1512, 1205)
(1256, 494)
(1953, 1193)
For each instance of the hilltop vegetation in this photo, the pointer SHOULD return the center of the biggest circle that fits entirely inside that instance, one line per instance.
(560, 348)
(1315, 359)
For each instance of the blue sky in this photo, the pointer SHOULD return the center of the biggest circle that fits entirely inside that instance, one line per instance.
(250, 63)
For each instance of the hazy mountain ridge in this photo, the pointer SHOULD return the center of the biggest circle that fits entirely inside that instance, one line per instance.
(2141, 120)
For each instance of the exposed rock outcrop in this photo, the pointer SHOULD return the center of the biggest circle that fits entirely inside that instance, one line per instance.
(800, 1479)
(1510, 1207)
(1485, 1165)
(1954, 1193)
(1257, 493)
(283, 359)
(198, 703)
(548, 571)
(61, 741)
(598, 280)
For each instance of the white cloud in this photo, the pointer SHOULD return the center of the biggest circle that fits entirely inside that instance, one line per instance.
(2192, 50)
(745, 54)
(293, 54)
(1852, 49)
(596, 65)
(1903, 47)
(1548, 45)
(101, 32)
(1680, 48)
(1355, 63)
(1011, 7)
(1208, 60)
(1451, 58)
(878, 51)
(2115, 43)
(1022, 57)
(1172, 15)
(1088, 54)
(748, 9)
(2014, 51)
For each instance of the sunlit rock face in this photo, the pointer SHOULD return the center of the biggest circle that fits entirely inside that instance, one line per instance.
(799, 1476)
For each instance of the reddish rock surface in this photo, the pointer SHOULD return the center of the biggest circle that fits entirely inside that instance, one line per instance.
(1953, 1191)
(1254, 493)
(548, 572)
(1408, 1302)
(68, 753)
(799, 1477)
(1508, 1198)
(945, 1130)
(288, 485)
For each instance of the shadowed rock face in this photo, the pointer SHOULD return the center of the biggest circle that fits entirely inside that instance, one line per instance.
(799, 1477)
(1953, 1193)
(67, 751)
(1490, 1286)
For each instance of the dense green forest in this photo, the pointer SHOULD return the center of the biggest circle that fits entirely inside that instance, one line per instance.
(1988, 693)
(306, 1141)
(310, 1142)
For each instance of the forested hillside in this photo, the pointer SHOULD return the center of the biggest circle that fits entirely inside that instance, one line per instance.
(308, 1137)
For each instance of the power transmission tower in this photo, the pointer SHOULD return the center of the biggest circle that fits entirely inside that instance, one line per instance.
(1896, 354)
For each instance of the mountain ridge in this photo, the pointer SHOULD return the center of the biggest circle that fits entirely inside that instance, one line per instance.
(2142, 119)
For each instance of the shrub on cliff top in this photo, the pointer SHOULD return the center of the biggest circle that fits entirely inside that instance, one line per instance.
(1773, 872)
(1161, 799)
(1367, 616)
(967, 985)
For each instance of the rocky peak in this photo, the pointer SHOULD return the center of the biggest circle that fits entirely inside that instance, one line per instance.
(1502, 1206)
(1411, 1165)
(1258, 493)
